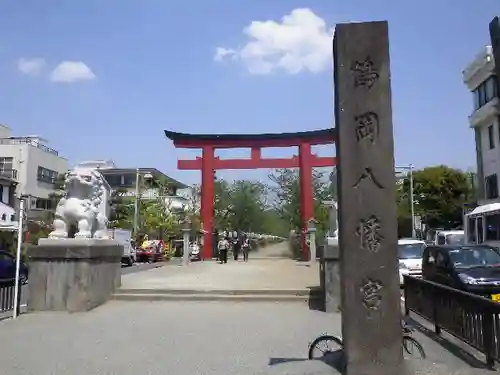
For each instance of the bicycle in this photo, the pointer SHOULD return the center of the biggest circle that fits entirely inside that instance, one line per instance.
(409, 343)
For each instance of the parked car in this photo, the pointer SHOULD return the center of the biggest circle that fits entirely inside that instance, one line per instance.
(8, 268)
(472, 268)
(151, 251)
(410, 254)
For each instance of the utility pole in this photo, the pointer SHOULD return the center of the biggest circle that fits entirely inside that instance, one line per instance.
(409, 168)
(412, 204)
(136, 203)
(18, 257)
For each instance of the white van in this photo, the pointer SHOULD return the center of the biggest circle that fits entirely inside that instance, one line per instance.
(124, 237)
(410, 252)
(450, 237)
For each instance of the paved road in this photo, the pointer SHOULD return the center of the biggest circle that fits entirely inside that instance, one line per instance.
(153, 338)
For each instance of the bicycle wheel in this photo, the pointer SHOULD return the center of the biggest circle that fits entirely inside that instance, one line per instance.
(323, 342)
(413, 347)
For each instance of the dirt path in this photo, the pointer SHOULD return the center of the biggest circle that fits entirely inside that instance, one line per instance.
(278, 250)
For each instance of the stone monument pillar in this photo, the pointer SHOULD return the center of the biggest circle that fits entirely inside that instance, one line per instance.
(371, 310)
(80, 273)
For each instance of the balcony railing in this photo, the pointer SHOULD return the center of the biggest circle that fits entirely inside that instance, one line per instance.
(28, 141)
(8, 173)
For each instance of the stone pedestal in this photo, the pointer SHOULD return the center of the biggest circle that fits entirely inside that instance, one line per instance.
(330, 276)
(73, 274)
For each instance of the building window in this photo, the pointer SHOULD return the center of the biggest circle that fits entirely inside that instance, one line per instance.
(498, 128)
(491, 186)
(492, 227)
(485, 92)
(46, 175)
(44, 204)
(114, 180)
(491, 137)
(129, 180)
(6, 164)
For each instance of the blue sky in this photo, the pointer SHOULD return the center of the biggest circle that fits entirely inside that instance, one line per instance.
(102, 79)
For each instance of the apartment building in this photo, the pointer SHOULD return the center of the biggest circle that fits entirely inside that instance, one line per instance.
(124, 179)
(482, 78)
(28, 167)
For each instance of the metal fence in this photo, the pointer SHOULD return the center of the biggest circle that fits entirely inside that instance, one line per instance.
(7, 298)
(472, 319)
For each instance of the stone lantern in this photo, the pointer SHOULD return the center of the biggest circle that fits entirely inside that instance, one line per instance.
(186, 230)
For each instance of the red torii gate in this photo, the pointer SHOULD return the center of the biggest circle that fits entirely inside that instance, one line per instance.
(208, 163)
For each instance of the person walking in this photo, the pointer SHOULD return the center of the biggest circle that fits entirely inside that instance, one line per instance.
(245, 246)
(223, 246)
(237, 244)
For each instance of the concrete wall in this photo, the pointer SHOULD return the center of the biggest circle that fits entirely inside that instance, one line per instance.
(38, 157)
(26, 159)
(491, 157)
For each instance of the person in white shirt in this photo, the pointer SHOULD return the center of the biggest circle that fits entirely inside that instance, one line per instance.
(245, 246)
(223, 247)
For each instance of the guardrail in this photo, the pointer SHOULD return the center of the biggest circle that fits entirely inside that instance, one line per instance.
(472, 319)
(7, 296)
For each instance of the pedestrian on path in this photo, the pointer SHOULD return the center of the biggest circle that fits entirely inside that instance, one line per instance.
(236, 244)
(223, 246)
(245, 246)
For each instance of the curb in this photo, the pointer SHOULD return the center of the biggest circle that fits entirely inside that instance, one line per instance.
(210, 297)
(222, 292)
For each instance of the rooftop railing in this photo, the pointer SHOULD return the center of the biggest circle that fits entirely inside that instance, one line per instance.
(28, 141)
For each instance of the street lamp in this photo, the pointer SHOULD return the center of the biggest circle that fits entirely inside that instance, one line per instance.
(409, 168)
(18, 255)
(186, 229)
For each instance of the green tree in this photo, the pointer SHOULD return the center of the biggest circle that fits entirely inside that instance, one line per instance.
(440, 193)
(122, 210)
(59, 190)
(247, 205)
(157, 218)
(286, 190)
(194, 208)
(223, 202)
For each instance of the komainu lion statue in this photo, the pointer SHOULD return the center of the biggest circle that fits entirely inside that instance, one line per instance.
(85, 205)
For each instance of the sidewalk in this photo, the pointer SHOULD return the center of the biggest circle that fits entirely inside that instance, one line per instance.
(257, 274)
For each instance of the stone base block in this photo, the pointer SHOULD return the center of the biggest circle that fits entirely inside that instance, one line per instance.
(330, 278)
(73, 274)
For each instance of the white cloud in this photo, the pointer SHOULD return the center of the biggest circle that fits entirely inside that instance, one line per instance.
(31, 67)
(301, 41)
(72, 71)
(221, 53)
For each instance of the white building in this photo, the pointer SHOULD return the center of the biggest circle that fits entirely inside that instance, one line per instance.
(30, 168)
(481, 79)
(124, 179)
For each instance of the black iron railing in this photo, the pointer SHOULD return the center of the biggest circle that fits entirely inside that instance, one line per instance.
(472, 319)
(7, 298)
